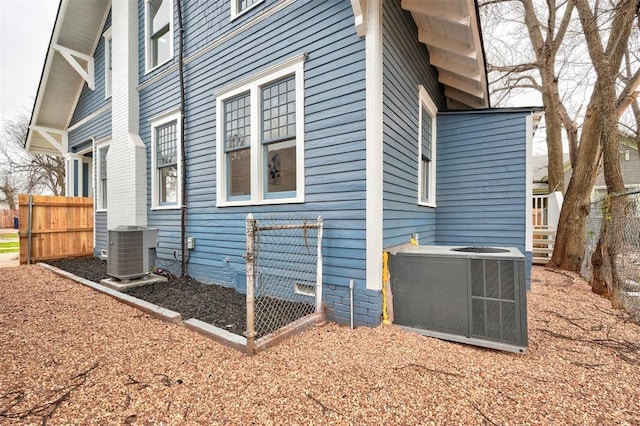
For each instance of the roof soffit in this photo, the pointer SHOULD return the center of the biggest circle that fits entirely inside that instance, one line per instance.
(451, 31)
(76, 33)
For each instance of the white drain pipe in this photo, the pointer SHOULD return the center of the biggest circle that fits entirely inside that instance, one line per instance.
(351, 285)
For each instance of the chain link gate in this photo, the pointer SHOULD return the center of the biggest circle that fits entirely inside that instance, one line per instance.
(627, 261)
(284, 273)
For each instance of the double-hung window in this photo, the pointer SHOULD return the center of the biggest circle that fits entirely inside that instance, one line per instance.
(426, 149)
(107, 63)
(260, 138)
(159, 32)
(238, 7)
(101, 196)
(166, 142)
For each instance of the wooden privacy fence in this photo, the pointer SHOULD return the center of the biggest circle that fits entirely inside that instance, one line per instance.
(6, 218)
(55, 227)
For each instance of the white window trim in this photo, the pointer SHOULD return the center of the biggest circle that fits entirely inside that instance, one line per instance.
(158, 121)
(294, 66)
(71, 177)
(431, 108)
(147, 37)
(98, 192)
(108, 76)
(234, 9)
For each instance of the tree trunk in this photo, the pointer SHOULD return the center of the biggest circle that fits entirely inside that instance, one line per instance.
(554, 143)
(600, 126)
(568, 251)
(606, 279)
(607, 64)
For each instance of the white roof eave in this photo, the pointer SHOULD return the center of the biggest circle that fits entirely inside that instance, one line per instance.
(60, 84)
(451, 31)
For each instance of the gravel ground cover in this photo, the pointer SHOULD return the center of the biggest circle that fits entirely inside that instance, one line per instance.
(70, 355)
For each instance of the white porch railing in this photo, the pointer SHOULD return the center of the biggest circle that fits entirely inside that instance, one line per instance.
(540, 211)
(545, 215)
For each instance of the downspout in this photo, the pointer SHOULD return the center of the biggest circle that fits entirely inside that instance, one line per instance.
(183, 172)
(94, 156)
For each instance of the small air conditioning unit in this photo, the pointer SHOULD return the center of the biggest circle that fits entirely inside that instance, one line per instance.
(474, 295)
(130, 253)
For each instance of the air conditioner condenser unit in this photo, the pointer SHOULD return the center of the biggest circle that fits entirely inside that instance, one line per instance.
(130, 253)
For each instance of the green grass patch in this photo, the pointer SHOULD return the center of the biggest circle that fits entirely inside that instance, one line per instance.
(12, 236)
(9, 246)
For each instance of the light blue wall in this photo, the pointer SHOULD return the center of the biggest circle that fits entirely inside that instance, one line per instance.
(99, 128)
(481, 180)
(206, 22)
(334, 146)
(406, 66)
(100, 232)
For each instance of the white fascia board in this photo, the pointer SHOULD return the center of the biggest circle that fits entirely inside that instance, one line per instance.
(374, 145)
(57, 27)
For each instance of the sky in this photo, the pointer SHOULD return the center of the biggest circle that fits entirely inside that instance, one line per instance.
(25, 30)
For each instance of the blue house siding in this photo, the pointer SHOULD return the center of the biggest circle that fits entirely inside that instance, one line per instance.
(99, 129)
(206, 22)
(92, 100)
(481, 181)
(334, 146)
(405, 67)
(100, 232)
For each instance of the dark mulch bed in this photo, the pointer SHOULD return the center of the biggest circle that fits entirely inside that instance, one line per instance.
(219, 306)
(90, 268)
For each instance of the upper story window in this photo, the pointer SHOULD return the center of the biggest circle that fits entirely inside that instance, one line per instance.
(261, 139)
(426, 149)
(159, 32)
(166, 142)
(101, 186)
(107, 63)
(238, 7)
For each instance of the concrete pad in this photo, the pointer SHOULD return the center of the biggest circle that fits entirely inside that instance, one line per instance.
(123, 285)
(8, 260)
